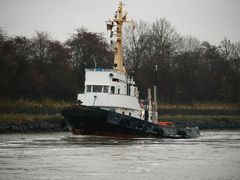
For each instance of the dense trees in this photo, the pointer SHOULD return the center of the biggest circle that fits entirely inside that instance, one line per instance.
(41, 67)
(188, 70)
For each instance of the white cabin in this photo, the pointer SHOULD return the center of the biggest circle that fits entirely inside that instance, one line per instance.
(111, 89)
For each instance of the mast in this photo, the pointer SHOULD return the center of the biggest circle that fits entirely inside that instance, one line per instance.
(118, 20)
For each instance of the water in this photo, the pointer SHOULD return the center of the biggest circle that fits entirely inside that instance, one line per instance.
(215, 155)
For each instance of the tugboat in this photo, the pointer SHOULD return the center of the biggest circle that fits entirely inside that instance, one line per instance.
(110, 104)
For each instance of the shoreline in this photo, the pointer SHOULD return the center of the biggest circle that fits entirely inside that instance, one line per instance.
(56, 124)
(28, 126)
(45, 115)
(218, 124)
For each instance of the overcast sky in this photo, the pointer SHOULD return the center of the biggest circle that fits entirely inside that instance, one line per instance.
(209, 20)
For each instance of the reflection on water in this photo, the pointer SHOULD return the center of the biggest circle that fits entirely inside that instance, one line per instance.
(215, 155)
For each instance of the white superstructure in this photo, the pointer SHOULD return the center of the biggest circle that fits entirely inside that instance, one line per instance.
(111, 90)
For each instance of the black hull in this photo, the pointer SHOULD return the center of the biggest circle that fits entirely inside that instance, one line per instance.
(95, 121)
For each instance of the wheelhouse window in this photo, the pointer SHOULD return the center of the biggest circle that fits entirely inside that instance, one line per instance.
(105, 89)
(88, 88)
(115, 79)
(112, 89)
(97, 88)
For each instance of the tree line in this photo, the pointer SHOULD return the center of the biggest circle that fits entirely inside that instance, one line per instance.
(188, 69)
(40, 67)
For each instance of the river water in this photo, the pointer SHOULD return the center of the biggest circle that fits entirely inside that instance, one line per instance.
(215, 155)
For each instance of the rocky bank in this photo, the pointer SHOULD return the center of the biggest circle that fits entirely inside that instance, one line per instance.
(60, 126)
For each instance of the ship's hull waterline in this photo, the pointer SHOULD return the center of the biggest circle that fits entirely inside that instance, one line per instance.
(87, 120)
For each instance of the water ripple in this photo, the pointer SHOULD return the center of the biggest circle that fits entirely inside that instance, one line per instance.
(215, 155)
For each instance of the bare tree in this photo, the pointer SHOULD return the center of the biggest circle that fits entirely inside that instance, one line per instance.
(237, 45)
(3, 35)
(228, 49)
(40, 46)
(136, 45)
(165, 41)
(189, 44)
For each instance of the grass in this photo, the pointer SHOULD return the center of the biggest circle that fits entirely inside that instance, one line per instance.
(33, 104)
(21, 118)
(23, 110)
(198, 117)
(200, 105)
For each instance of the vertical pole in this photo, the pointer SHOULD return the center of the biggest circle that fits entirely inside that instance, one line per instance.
(95, 62)
(155, 120)
(150, 105)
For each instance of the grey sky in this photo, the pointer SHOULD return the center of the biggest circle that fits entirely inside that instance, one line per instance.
(210, 20)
